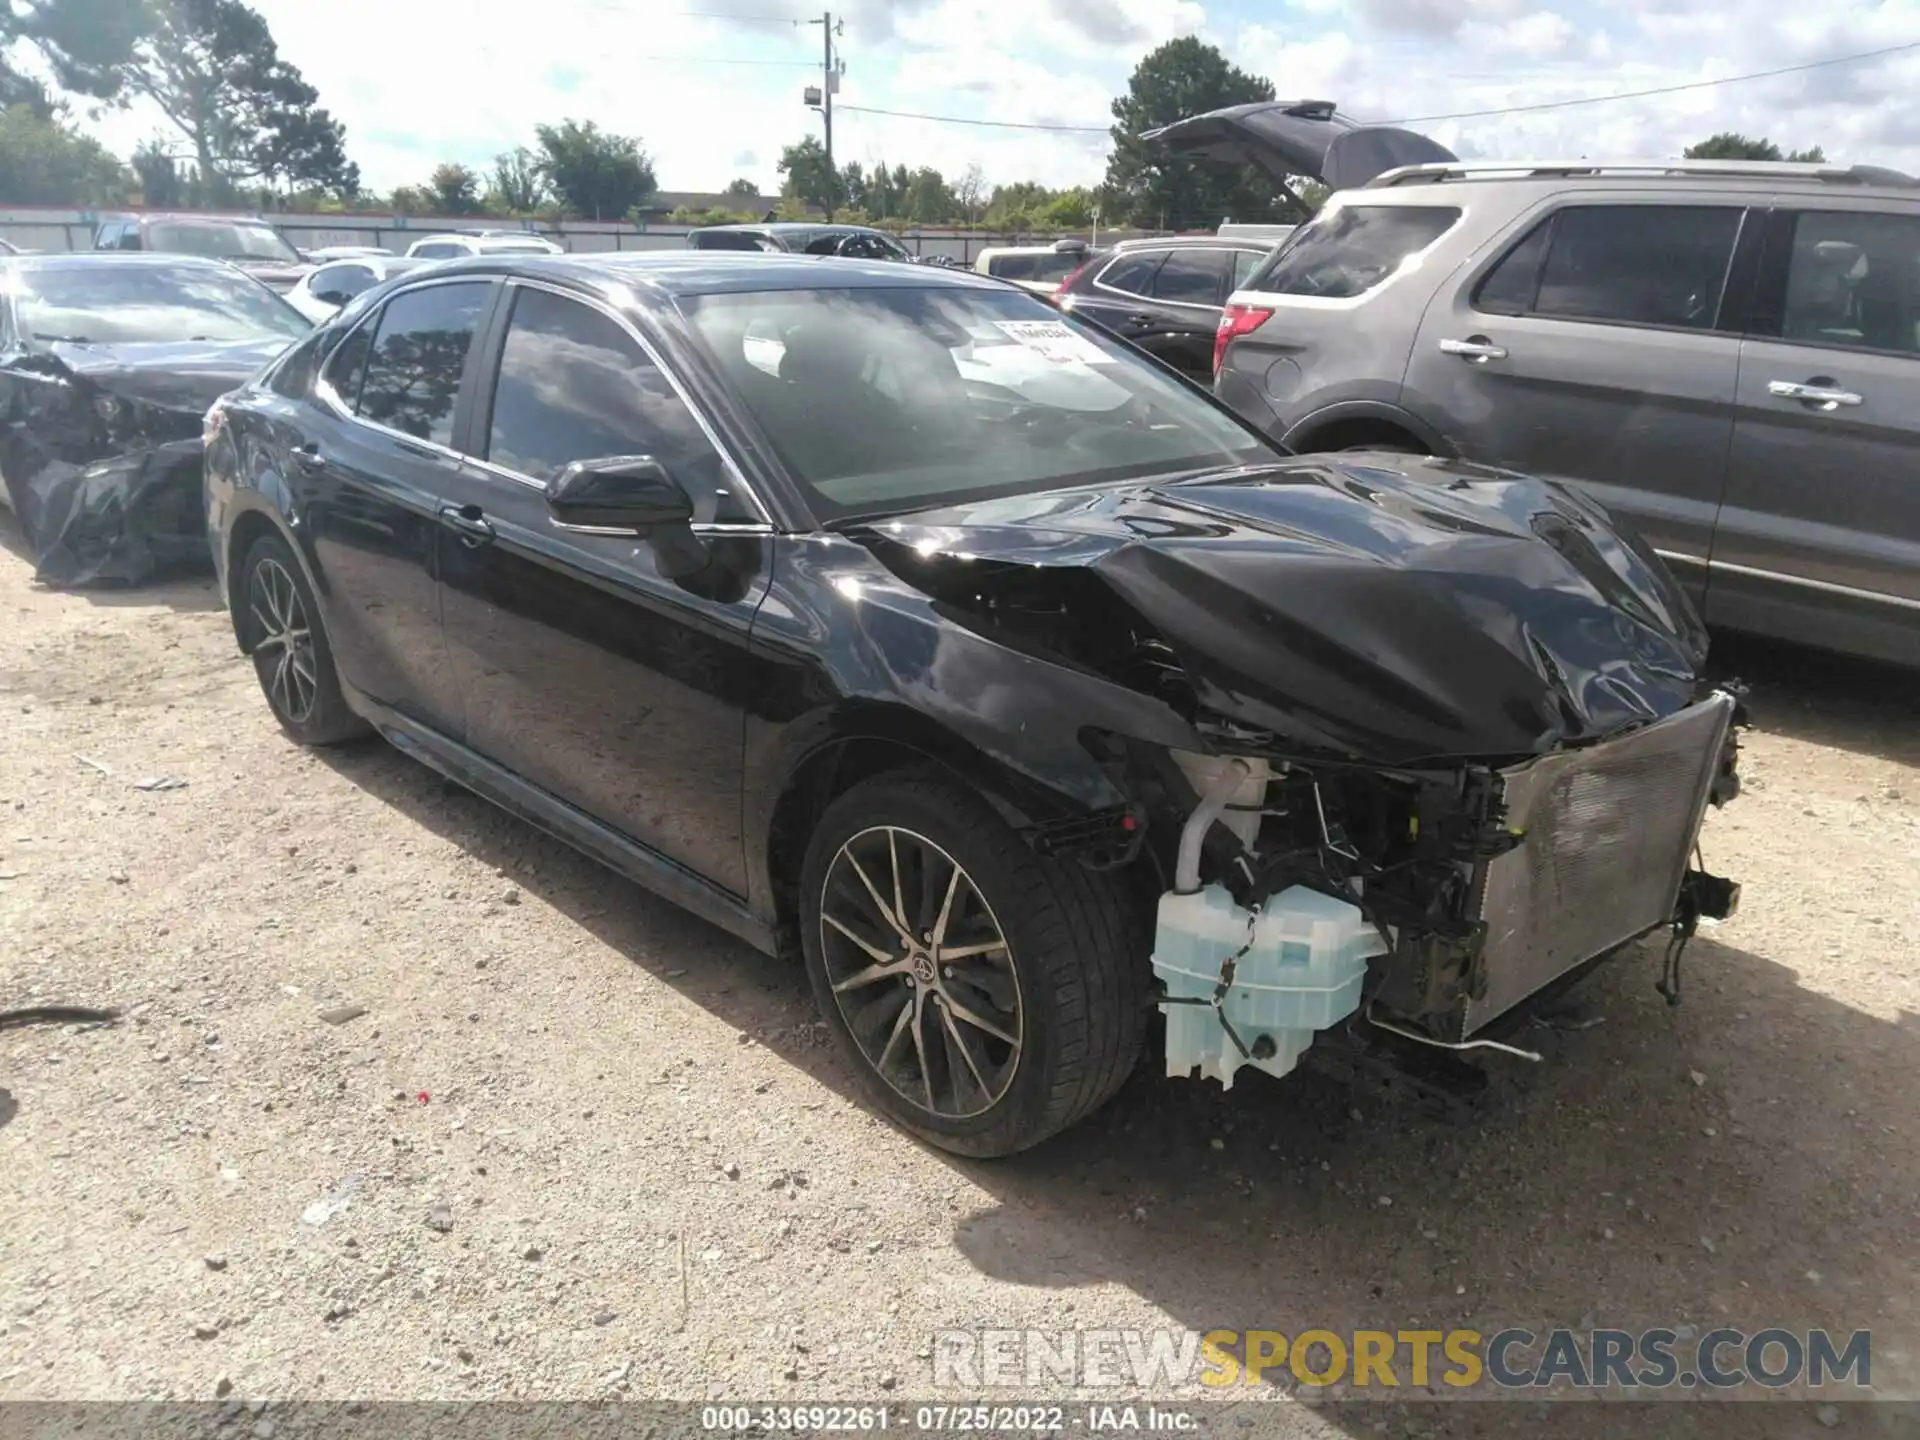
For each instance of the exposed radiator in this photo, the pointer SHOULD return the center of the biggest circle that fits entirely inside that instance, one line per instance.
(1608, 833)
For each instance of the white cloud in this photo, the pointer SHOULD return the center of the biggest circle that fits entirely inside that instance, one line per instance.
(431, 80)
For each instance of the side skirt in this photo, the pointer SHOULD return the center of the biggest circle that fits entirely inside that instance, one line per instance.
(643, 866)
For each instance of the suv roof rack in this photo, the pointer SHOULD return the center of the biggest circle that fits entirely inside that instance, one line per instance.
(1639, 170)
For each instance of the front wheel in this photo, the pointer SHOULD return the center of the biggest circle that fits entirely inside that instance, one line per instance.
(987, 996)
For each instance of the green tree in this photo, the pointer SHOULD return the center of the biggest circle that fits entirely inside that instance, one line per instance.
(212, 68)
(85, 43)
(853, 185)
(811, 179)
(1069, 210)
(1730, 145)
(45, 161)
(929, 199)
(161, 185)
(594, 173)
(410, 200)
(1016, 206)
(1152, 188)
(970, 193)
(517, 186)
(454, 190)
(743, 192)
(882, 199)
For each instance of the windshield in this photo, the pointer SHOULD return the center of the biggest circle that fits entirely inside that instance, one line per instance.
(222, 241)
(888, 400)
(109, 304)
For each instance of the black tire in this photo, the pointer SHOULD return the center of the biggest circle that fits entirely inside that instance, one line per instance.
(298, 679)
(1074, 940)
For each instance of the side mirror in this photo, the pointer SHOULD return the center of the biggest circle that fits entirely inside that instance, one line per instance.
(620, 492)
(632, 493)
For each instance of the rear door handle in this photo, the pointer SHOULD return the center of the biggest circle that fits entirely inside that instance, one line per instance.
(308, 457)
(1819, 393)
(470, 522)
(1476, 348)
(1140, 322)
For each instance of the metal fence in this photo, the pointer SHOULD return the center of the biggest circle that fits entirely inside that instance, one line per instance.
(72, 230)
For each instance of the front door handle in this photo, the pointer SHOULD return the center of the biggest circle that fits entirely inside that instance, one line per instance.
(470, 522)
(1140, 322)
(1819, 393)
(308, 457)
(1475, 349)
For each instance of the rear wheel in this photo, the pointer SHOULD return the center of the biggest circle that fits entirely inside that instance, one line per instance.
(280, 624)
(988, 997)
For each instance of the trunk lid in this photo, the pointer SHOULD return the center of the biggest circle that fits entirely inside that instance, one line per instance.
(1286, 139)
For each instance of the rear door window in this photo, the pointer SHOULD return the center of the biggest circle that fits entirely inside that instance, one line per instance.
(1655, 265)
(1245, 262)
(1852, 279)
(1352, 249)
(412, 372)
(1133, 272)
(1191, 277)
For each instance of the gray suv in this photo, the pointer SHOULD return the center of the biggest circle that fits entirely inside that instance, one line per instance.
(1727, 355)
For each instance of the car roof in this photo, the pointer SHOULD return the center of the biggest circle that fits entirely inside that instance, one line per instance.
(1556, 175)
(1196, 242)
(91, 259)
(794, 227)
(710, 272)
(188, 217)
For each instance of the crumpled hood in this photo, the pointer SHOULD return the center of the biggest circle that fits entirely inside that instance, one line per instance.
(1387, 607)
(186, 375)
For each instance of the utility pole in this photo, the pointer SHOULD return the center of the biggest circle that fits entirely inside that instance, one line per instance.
(826, 79)
(829, 82)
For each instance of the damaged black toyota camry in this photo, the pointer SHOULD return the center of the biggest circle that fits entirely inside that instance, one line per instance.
(888, 617)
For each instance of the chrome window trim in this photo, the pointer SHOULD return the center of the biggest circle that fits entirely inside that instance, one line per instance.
(329, 397)
(1807, 582)
(763, 525)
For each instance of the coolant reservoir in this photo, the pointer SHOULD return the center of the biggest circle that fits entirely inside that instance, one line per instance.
(1302, 973)
(1242, 815)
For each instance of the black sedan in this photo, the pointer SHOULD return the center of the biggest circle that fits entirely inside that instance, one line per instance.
(108, 363)
(1164, 295)
(885, 615)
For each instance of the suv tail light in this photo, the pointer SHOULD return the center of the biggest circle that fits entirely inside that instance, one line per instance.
(1060, 297)
(1235, 321)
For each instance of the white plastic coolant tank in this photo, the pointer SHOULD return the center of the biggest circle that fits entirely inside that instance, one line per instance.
(1303, 972)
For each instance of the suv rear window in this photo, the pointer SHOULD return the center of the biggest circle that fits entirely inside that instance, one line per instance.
(1352, 249)
(1662, 265)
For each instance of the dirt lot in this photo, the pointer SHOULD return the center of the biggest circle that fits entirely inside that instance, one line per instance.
(656, 1180)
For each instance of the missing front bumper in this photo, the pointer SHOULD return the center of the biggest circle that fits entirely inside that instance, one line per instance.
(1607, 834)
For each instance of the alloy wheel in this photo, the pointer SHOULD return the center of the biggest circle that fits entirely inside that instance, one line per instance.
(921, 971)
(283, 641)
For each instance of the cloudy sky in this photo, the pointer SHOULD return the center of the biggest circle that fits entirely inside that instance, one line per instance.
(713, 86)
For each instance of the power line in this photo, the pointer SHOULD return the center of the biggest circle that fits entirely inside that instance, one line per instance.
(958, 120)
(1660, 90)
(1457, 115)
(721, 60)
(742, 19)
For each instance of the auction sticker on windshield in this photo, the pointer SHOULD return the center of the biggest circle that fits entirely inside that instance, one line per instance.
(1054, 341)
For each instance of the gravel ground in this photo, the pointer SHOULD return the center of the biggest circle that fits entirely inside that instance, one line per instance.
(582, 1145)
